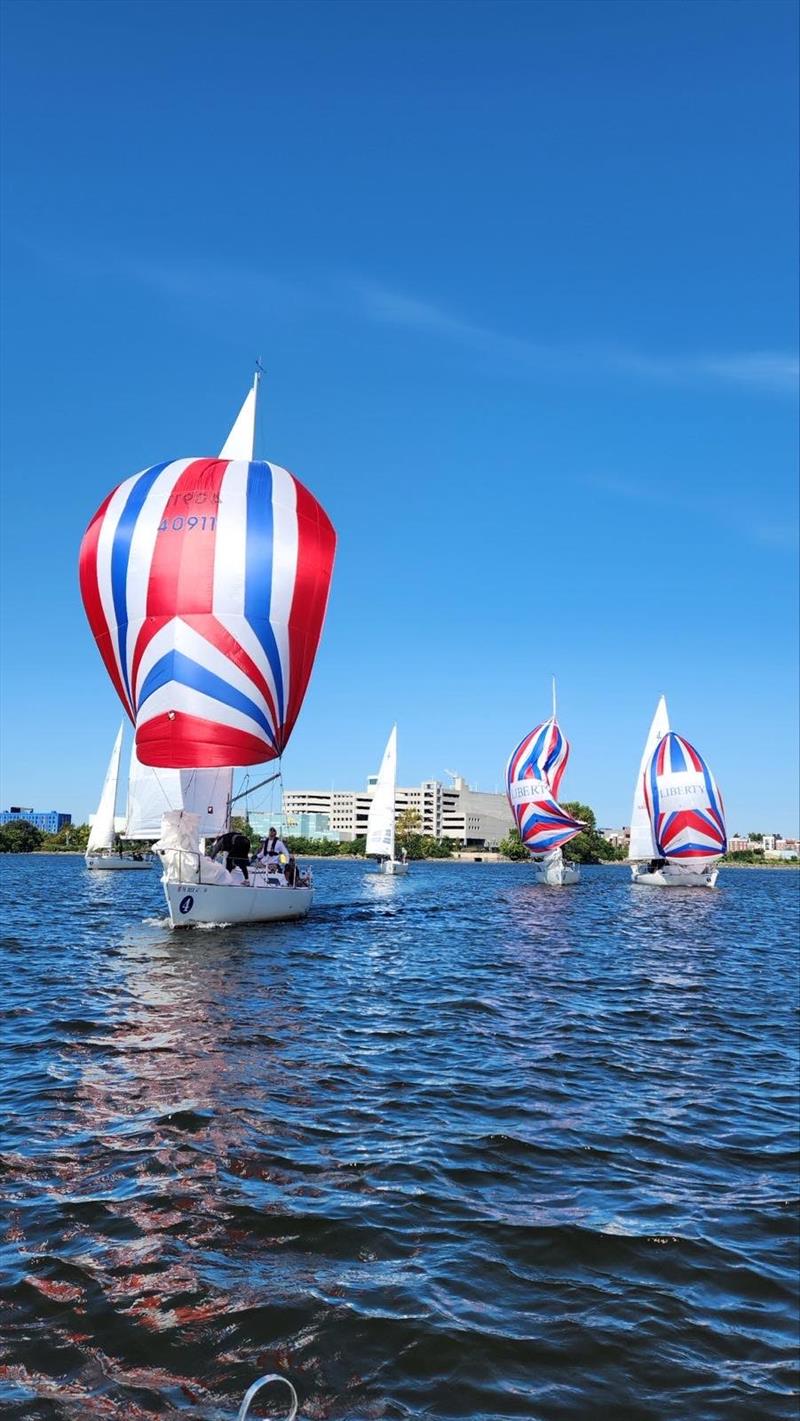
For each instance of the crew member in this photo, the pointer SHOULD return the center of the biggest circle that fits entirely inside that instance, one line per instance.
(272, 850)
(237, 848)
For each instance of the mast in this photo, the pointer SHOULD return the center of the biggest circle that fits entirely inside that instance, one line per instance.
(554, 698)
(240, 444)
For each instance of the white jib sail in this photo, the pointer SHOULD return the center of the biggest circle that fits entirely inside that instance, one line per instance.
(154, 792)
(380, 824)
(101, 834)
(240, 443)
(642, 845)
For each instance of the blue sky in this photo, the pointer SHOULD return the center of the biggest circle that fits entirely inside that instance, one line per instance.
(523, 280)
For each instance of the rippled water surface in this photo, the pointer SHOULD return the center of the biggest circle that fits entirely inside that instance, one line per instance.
(457, 1146)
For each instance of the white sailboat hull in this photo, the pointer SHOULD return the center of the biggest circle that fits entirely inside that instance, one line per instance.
(393, 867)
(110, 862)
(674, 875)
(556, 875)
(222, 903)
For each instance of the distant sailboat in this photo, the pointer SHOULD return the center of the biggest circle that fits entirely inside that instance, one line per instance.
(100, 850)
(380, 823)
(533, 778)
(678, 822)
(205, 582)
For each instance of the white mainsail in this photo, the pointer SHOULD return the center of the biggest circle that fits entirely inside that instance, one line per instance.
(154, 792)
(642, 845)
(101, 834)
(380, 824)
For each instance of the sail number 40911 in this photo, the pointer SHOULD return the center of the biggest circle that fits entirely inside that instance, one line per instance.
(176, 524)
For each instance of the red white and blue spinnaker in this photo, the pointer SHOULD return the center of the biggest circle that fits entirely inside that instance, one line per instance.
(684, 803)
(205, 582)
(533, 777)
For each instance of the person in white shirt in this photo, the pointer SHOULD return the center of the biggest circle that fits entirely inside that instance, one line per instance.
(273, 851)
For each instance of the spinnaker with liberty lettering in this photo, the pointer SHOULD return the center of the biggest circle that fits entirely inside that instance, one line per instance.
(684, 803)
(533, 777)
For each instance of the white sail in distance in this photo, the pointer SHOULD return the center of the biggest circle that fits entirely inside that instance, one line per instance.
(380, 824)
(642, 845)
(101, 834)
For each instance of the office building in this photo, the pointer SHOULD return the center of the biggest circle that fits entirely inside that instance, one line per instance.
(48, 820)
(456, 812)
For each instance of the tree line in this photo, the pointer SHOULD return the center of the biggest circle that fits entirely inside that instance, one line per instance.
(22, 837)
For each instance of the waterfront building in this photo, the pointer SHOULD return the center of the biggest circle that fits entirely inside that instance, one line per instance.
(620, 838)
(739, 845)
(772, 846)
(296, 825)
(48, 820)
(457, 812)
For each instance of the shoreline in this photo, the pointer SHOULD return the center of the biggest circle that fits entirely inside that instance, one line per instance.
(487, 858)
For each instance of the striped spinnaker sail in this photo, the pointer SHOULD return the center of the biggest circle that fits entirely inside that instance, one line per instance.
(541, 755)
(684, 803)
(533, 776)
(205, 582)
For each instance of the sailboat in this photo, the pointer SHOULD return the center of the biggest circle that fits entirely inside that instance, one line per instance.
(205, 582)
(150, 793)
(678, 821)
(533, 778)
(380, 823)
(100, 850)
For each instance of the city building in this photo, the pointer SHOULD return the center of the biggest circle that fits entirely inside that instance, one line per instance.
(457, 812)
(620, 838)
(296, 825)
(772, 846)
(739, 845)
(48, 820)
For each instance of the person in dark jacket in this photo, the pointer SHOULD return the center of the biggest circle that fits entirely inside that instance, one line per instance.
(237, 848)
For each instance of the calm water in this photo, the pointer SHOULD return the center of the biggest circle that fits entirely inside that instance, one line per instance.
(456, 1147)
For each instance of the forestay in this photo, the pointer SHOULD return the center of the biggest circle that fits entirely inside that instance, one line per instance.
(205, 582)
(684, 803)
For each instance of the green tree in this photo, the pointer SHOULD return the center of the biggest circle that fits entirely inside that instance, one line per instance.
(589, 846)
(512, 846)
(756, 838)
(19, 836)
(436, 848)
(407, 833)
(358, 847)
(73, 838)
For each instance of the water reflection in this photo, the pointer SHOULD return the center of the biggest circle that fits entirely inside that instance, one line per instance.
(430, 1152)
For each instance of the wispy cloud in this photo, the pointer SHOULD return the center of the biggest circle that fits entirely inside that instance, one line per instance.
(242, 291)
(777, 371)
(779, 534)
